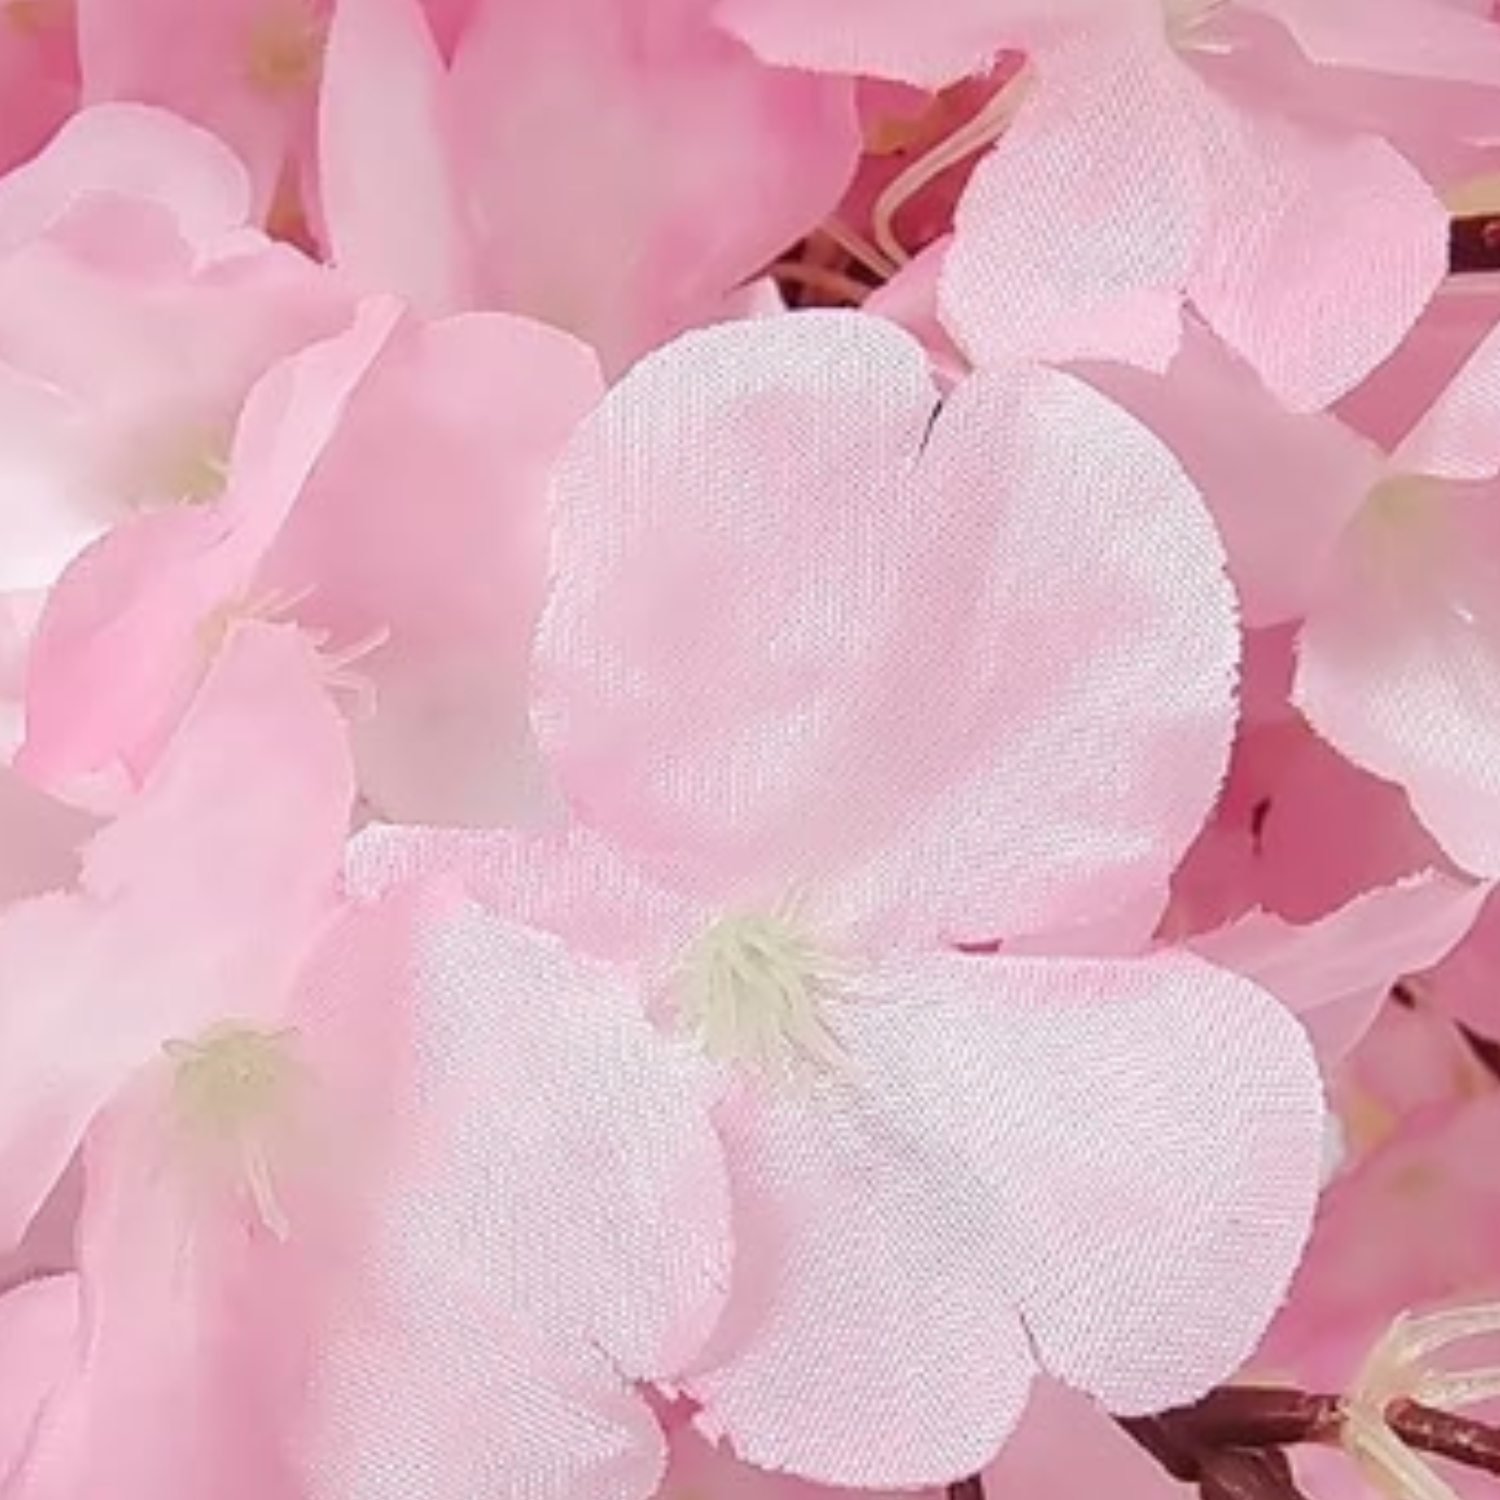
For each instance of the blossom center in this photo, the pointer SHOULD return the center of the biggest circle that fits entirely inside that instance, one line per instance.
(233, 1089)
(1184, 17)
(284, 50)
(753, 990)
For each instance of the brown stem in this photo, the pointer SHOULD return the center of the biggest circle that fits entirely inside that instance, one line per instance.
(966, 1489)
(1476, 1445)
(1474, 244)
(1237, 1475)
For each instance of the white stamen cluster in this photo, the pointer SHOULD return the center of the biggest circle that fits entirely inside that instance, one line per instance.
(232, 1091)
(753, 988)
(1399, 1367)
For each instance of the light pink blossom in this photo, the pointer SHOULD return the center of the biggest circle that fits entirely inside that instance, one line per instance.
(783, 828)
(550, 169)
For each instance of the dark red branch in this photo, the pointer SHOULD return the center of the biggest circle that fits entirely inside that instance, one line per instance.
(1474, 244)
(1476, 1445)
(966, 1489)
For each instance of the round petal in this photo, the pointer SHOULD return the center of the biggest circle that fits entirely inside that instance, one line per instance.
(909, 657)
(1107, 1167)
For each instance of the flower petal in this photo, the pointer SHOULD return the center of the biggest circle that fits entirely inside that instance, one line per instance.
(471, 414)
(389, 191)
(1400, 664)
(1314, 332)
(1098, 269)
(256, 789)
(1337, 972)
(902, 689)
(561, 1167)
(1120, 1158)
(129, 151)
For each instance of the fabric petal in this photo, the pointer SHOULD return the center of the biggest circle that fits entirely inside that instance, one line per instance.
(1455, 438)
(38, 1344)
(129, 151)
(1400, 665)
(1096, 271)
(595, 209)
(1315, 333)
(470, 414)
(1281, 485)
(1337, 972)
(445, 1398)
(804, 728)
(389, 192)
(561, 1166)
(127, 632)
(568, 882)
(896, 39)
(256, 789)
(1419, 38)
(1109, 1167)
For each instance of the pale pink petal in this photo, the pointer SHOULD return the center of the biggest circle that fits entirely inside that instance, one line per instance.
(595, 208)
(1335, 973)
(195, 904)
(388, 190)
(1107, 1167)
(128, 151)
(246, 69)
(805, 726)
(1395, 398)
(440, 469)
(39, 840)
(1400, 664)
(1281, 485)
(1463, 985)
(1412, 1228)
(1095, 271)
(559, 1164)
(38, 1344)
(1426, 38)
(440, 1397)
(1315, 308)
(699, 1467)
(1068, 1448)
(899, 39)
(1077, 636)
(129, 629)
(1456, 438)
(567, 882)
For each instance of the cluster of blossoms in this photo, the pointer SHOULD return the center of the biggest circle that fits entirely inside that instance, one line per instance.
(747, 747)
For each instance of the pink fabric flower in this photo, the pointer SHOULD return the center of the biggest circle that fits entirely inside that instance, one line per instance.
(905, 672)
(436, 602)
(1182, 196)
(617, 174)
